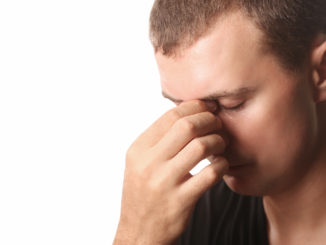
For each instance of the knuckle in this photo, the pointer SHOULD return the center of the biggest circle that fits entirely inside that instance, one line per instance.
(142, 172)
(155, 185)
(187, 126)
(174, 114)
(200, 146)
(138, 162)
(130, 154)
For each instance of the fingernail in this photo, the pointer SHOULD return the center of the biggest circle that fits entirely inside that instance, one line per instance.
(211, 105)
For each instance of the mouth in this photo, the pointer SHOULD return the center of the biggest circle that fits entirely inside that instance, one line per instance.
(237, 166)
(237, 161)
(237, 169)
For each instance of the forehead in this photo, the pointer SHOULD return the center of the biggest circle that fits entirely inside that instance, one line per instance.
(221, 60)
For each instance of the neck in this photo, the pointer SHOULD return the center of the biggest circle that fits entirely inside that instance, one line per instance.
(297, 213)
(300, 210)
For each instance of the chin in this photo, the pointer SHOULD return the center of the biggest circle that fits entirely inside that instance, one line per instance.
(243, 185)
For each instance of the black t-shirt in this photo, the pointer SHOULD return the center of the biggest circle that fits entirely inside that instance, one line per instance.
(223, 217)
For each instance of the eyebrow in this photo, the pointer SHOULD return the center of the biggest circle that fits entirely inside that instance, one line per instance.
(216, 96)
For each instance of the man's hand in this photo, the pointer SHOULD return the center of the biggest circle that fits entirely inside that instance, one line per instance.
(159, 193)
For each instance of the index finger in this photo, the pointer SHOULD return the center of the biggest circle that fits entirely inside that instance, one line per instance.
(159, 128)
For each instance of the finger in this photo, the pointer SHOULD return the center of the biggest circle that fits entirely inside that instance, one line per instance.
(197, 150)
(197, 185)
(159, 128)
(184, 131)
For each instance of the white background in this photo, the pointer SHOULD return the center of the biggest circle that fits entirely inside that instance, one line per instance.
(78, 83)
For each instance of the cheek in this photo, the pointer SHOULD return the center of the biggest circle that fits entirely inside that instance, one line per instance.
(277, 137)
(273, 131)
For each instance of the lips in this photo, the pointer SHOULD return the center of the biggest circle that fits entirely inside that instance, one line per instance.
(237, 170)
(233, 162)
(237, 166)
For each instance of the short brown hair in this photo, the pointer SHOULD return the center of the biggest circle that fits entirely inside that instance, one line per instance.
(289, 26)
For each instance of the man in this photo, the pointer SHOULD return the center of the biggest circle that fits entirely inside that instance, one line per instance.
(249, 81)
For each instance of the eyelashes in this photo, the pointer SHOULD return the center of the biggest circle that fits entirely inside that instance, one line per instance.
(232, 108)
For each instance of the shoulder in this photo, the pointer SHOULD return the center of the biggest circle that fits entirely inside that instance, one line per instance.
(222, 216)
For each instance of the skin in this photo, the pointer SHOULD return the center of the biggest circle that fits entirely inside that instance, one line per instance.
(274, 131)
(280, 107)
(159, 194)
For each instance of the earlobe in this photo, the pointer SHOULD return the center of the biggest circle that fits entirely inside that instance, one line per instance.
(319, 71)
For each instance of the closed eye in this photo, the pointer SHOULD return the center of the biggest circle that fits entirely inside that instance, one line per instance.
(232, 108)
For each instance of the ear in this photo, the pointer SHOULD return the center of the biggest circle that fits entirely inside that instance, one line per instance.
(319, 68)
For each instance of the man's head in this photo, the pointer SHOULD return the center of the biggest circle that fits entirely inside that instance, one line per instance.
(289, 26)
(271, 114)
